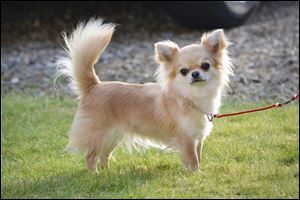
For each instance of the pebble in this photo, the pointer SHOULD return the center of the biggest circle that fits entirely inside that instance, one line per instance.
(15, 80)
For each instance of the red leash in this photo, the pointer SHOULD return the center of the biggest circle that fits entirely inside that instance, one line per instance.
(211, 117)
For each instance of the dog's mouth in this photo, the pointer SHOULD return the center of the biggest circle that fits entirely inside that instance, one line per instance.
(198, 80)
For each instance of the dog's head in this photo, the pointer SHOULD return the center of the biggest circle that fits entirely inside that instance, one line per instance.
(203, 65)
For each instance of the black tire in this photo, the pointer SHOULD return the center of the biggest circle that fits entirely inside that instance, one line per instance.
(209, 14)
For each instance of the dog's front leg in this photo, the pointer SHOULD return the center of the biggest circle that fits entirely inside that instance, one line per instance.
(188, 151)
(199, 149)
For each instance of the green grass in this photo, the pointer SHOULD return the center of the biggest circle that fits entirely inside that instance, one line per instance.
(249, 156)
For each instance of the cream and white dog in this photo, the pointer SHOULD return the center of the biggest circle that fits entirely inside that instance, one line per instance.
(171, 112)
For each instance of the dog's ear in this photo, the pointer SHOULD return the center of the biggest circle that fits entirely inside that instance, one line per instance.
(166, 51)
(215, 41)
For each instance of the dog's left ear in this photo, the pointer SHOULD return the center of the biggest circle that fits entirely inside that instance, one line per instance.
(215, 41)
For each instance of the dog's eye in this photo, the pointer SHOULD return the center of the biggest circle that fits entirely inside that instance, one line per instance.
(184, 71)
(205, 66)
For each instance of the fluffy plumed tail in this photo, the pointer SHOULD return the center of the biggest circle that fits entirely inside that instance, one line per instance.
(84, 46)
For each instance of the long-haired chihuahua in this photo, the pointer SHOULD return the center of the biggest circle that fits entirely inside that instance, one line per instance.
(171, 112)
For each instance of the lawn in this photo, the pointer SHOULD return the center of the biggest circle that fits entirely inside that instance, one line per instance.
(249, 156)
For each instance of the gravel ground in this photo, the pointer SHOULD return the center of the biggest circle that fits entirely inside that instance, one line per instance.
(265, 49)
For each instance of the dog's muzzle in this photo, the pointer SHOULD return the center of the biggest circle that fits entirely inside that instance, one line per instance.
(199, 79)
(196, 77)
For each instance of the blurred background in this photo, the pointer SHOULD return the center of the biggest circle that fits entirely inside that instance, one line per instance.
(265, 37)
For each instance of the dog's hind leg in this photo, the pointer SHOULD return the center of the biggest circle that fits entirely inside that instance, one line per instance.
(111, 141)
(94, 150)
(91, 160)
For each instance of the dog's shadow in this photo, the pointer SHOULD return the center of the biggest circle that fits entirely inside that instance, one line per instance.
(81, 183)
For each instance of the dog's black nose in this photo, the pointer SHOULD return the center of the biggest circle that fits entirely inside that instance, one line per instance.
(195, 74)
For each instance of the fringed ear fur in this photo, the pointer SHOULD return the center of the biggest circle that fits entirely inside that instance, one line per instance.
(215, 41)
(166, 51)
